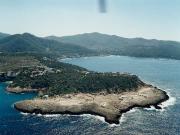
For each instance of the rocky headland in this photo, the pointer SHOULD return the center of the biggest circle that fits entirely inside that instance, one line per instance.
(109, 106)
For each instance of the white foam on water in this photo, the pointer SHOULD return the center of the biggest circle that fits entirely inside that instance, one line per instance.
(170, 102)
(114, 125)
(164, 105)
(39, 115)
(122, 119)
(102, 119)
(25, 114)
(99, 118)
(132, 110)
(94, 116)
(8, 82)
(52, 115)
(72, 122)
(124, 115)
(152, 108)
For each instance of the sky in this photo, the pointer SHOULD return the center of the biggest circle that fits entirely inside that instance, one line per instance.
(152, 19)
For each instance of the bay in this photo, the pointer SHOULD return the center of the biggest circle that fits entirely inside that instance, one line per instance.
(163, 73)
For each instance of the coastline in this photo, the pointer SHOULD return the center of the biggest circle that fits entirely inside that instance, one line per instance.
(111, 55)
(109, 106)
(18, 90)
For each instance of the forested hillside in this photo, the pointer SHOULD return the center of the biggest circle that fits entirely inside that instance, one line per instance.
(115, 45)
(27, 43)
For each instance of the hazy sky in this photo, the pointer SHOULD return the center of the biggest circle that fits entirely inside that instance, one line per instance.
(128, 18)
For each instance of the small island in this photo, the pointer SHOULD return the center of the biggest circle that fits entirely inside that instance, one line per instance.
(68, 89)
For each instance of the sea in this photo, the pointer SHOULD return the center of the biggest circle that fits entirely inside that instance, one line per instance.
(163, 73)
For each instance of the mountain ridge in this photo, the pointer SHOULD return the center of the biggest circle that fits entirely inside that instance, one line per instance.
(29, 43)
(3, 35)
(89, 44)
(115, 45)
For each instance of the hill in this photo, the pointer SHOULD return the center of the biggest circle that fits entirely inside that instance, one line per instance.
(3, 35)
(31, 72)
(115, 45)
(27, 43)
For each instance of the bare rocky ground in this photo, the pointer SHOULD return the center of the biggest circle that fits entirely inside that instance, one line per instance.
(110, 106)
(18, 90)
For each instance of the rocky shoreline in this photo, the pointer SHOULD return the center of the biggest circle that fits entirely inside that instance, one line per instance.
(109, 106)
(19, 90)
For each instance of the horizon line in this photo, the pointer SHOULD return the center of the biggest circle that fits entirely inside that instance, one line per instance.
(44, 36)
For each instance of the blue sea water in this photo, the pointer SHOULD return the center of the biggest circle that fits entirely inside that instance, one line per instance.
(163, 73)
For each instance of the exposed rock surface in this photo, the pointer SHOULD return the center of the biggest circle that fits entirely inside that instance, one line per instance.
(21, 90)
(110, 106)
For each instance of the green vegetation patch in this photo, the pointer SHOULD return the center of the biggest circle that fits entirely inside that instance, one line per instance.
(11, 63)
(47, 73)
(60, 78)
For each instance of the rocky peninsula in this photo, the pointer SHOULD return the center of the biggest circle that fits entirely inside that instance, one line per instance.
(110, 106)
(68, 89)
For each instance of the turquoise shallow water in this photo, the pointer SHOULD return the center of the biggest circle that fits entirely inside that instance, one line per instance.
(160, 72)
